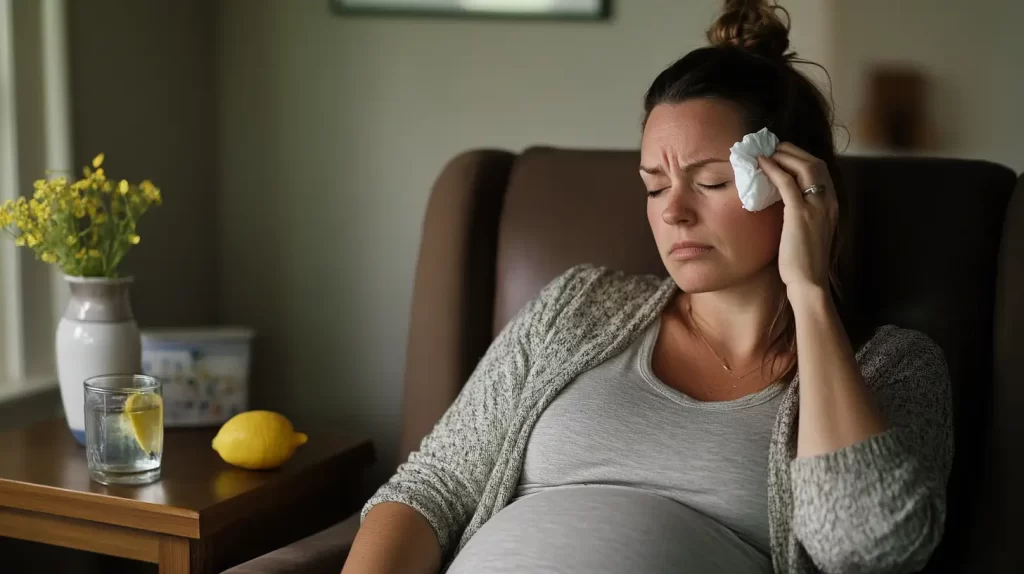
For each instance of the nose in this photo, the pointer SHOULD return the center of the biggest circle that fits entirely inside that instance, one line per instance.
(679, 207)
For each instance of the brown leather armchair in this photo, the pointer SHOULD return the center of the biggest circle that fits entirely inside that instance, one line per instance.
(939, 248)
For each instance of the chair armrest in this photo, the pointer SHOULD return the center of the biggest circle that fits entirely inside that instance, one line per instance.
(324, 552)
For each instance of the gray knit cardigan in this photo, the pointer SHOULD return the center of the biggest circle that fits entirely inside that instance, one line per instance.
(875, 506)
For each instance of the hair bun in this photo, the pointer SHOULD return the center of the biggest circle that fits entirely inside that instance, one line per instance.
(754, 26)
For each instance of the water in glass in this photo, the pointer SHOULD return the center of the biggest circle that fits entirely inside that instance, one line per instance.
(124, 435)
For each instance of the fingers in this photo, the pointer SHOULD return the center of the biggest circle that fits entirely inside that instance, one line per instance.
(806, 172)
(794, 150)
(809, 170)
(783, 181)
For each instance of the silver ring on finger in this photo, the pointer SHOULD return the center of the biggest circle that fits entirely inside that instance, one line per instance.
(814, 189)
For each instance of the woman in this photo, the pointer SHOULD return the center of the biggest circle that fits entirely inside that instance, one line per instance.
(717, 421)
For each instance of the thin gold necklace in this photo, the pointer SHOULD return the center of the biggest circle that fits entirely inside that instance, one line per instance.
(693, 321)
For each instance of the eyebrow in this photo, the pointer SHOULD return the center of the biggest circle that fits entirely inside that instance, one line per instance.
(656, 170)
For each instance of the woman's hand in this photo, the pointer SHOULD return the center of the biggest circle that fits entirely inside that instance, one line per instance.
(809, 221)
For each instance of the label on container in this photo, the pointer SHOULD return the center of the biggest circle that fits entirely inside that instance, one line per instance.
(200, 387)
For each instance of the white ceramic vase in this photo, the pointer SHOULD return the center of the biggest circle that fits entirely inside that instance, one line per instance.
(96, 336)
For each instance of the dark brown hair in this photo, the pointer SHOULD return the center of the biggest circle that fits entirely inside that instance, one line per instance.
(749, 64)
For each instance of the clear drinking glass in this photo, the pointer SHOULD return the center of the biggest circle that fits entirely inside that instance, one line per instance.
(124, 428)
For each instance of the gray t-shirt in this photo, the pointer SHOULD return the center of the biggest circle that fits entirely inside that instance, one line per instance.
(626, 474)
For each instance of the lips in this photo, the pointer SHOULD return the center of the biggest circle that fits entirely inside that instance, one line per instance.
(687, 250)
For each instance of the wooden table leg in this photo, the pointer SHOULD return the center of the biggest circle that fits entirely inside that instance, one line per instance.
(175, 557)
(184, 556)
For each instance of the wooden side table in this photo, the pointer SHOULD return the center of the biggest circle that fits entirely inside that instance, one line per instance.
(202, 516)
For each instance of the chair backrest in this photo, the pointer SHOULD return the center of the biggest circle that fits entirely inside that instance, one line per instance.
(927, 238)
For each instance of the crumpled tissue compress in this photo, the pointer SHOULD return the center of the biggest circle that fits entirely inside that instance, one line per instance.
(755, 189)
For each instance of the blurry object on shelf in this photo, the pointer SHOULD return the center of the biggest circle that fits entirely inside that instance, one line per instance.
(205, 372)
(895, 113)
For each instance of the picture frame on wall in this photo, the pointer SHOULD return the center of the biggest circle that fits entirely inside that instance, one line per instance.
(526, 9)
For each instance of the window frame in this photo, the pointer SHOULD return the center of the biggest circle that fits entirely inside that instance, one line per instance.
(32, 294)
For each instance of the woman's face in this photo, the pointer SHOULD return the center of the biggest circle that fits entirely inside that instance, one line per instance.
(706, 239)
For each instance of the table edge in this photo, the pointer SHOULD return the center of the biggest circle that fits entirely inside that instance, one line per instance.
(40, 498)
(148, 516)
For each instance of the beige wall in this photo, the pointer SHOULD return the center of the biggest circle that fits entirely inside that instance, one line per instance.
(972, 52)
(332, 132)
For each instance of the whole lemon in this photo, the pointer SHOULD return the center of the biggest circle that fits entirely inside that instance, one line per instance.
(257, 440)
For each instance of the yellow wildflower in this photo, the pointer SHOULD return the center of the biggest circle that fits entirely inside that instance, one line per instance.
(150, 191)
(39, 210)
(51, 220)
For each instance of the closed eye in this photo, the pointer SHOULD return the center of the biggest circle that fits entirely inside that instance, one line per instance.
(655, 192)
(714, 185)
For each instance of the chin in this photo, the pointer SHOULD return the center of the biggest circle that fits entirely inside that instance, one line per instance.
(698, 277)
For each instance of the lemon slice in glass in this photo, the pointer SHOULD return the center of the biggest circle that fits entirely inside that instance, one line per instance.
(146, 416)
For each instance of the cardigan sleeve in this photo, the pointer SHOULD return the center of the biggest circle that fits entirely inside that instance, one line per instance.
(880, 505)
(445, 478)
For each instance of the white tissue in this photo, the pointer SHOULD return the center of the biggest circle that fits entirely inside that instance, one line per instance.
(755, 189)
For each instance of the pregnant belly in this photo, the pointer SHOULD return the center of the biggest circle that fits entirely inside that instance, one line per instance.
(604, 529)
